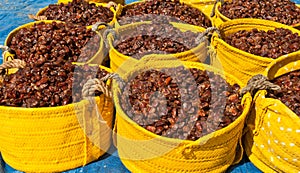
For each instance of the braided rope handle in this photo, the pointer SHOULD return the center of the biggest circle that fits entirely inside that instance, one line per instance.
(95, 84)
(259, 82)
(15, 63)
(212, 14)
(37, 18)
(112, 4)
(202, 36)
(95, 27)
(105, 34)
(4, 50)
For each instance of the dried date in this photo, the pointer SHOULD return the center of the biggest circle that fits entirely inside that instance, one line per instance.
(271, 43)
(47, 86)
(181, 103)
(160, 10)
(54, 42)
(290, 91)
(282, 11)
(78, 12)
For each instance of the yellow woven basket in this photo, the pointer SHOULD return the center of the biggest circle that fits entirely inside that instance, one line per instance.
(272, 140)
(143, 151)
(58, 138)
(96, 59)
(219, 18)
(235, 61)
(111, 23)
(196, 54)
(202, 7)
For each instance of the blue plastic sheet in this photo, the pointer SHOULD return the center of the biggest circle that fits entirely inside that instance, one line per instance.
(13, 14)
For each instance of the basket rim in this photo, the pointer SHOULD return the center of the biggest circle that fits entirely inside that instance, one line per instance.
(179, 26)
(82, 102)
(225, 18)
(30, 24)
(192, 5)
(256, 22)
(90, 2)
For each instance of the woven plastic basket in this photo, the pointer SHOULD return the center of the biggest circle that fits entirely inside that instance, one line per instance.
(112, 7)
(143, 151)
(96, 59)
(192, 4)
(272, 140)
(196, 54)
(55, 139)
(219, 18)
(235, 61)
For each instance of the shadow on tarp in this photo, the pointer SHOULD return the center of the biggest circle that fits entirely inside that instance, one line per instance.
(105, 164)
(112, 164)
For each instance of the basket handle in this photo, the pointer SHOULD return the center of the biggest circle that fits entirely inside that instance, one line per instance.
(15, 63)
(5, 49)
(202, 36)
(36, 18)
(112, 4)
(95, 27)
(95, 84)
(212, 14)
(258, 82)
(106, 33)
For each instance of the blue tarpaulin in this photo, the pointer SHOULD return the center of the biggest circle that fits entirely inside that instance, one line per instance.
(13, 14)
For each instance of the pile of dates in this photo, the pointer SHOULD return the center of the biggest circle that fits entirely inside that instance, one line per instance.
(78, 12)
(54, 42)
(48, 85)
(155, 38)
(181, 103)
(172, 10)
(282, 11)
(271, 43)
(289, 94)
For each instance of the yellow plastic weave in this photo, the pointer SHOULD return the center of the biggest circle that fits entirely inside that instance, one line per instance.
(219, 18)
(272, 140)
(235, 61)
(55, 139)
(96, 59)
(196, 54)
(143, 151)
